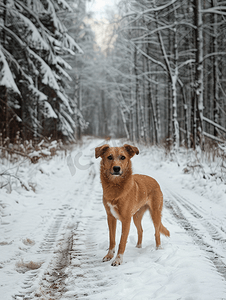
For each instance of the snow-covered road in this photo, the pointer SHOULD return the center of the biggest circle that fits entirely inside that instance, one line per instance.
(52, 242)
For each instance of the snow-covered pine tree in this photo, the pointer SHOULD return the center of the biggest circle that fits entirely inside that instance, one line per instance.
(32, 70)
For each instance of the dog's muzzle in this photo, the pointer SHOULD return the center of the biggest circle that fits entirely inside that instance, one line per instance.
(116, 170)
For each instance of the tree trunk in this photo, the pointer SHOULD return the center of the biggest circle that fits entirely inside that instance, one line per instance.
(6, 117)
(185, 106)
(133, 104)
(169, 93)
(174, 79)
(143, 103)
(104, 116)
(198, 88)
(215, 71)
(137, 96)
(194, 120)
(152, 106)
(170, 115)
(36, 116)
(77, 101)
(158, 117)
(124, 122)
(5, 22)
(5, 90)
(79, 105)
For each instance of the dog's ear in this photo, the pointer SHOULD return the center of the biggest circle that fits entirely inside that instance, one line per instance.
(99, 151)
(131, 150)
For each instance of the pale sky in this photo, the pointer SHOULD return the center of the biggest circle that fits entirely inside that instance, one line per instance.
(99, 7)
(103, 29)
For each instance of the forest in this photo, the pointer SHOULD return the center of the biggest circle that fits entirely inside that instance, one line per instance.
(148, 73)
(160, 79)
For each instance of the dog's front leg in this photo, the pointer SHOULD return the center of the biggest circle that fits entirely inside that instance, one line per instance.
(112, 229)
(125, 232)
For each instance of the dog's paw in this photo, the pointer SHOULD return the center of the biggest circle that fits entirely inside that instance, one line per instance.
(139, 246)
(117, 261)
(159, 247)
(109, 256)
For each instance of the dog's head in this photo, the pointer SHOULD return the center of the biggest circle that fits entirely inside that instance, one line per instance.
(116, 160)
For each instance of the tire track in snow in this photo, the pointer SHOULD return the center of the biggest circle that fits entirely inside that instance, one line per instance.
(48, 282)
(52, 284)
(46, 249)
(215, 230)
(191, 219)
(86, 274)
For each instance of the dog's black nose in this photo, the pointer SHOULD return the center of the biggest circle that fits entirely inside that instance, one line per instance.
(116, 169)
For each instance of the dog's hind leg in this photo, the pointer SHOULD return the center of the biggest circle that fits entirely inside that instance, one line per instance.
(156, 218)
(137, 221)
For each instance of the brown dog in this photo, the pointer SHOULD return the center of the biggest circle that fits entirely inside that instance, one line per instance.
(126, 195)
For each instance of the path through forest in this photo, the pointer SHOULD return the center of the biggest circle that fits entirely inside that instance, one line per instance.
(62, 230)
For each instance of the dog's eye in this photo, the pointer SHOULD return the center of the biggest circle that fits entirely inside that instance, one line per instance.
(110, 157)
(122, 157)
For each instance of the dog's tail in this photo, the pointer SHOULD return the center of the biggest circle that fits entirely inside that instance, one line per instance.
(164, 231)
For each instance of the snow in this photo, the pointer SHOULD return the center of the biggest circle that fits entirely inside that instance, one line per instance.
(49, 112)
(66, 115)
(65, 100)
(46, 73)
(62, 62)
(66, 205)
(65, 5)
(61, 71)
(69, 43)
(37, 93)
(6, 77)
(56, 22)
(65, 126)
(30, 34)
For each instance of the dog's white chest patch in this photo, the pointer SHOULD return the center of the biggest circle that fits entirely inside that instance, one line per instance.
(113, 211)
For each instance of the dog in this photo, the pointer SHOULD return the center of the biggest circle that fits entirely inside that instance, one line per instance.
(126, 196)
